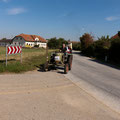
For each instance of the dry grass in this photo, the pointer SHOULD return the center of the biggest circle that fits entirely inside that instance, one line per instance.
(32, 57)
(26, 53)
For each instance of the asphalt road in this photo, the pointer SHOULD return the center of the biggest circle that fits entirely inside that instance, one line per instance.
(100, 80)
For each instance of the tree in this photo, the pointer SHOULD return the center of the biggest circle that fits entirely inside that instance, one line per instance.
(102, 46)
(55, 43)
(4, 39)
(87, 41)
(62, 41)
(76, 46)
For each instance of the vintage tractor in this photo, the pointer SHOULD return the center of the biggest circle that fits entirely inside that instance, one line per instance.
(59, 59)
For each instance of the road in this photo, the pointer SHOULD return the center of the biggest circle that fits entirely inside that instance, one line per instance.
(99, 80)
(48, 96)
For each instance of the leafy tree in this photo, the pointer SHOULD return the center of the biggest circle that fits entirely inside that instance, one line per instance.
(86, 41)
(76, 46)
(102, 46)
(55, 43)
(62, 41)
(4, 39)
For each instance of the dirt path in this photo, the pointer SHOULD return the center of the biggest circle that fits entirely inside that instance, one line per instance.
(47, 96)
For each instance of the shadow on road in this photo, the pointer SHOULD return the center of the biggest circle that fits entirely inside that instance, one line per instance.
(104, 63)
(113, 65)
(57, 69)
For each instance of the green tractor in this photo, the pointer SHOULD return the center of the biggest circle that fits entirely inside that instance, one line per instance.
(59, 59)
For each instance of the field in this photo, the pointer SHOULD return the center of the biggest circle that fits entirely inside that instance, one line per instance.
(32, 58)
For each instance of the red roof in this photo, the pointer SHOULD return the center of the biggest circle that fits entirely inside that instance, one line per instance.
(115, 36)
(31, 38)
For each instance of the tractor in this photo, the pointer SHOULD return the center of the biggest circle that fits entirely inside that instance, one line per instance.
(59, 59)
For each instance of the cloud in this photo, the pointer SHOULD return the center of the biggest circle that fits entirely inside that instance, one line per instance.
(113, 18)
(16, 11)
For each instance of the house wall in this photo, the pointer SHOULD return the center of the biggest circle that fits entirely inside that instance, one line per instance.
(32, 44)
(4, 44)
(43, 45)
(18, 41)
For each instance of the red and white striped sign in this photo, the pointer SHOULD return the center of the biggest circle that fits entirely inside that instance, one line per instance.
(14, 50)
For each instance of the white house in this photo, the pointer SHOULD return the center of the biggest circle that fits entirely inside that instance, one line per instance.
(29, 41)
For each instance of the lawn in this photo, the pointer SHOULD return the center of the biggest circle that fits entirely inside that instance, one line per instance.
(32, 58)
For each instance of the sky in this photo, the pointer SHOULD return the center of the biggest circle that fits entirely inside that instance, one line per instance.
(68, 19)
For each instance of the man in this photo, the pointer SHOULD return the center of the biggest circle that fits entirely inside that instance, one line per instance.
(66, 49)
(69, 50)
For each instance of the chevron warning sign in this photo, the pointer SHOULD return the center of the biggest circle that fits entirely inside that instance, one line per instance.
(14, 50)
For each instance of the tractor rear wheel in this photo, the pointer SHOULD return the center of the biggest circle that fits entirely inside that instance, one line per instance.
(70, 63)
(66, 68)
(45, 67)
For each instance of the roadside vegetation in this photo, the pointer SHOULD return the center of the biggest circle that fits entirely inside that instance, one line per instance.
(32, 58)
(76, 46)
(105, 48)
(55, 43)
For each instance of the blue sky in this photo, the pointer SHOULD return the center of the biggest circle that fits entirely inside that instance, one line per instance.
(59, 18)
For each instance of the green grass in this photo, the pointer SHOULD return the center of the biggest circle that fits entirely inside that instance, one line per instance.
(32, 59)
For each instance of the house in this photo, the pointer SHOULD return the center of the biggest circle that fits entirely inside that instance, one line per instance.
(116, 36)
(5, 42)
(29, 41)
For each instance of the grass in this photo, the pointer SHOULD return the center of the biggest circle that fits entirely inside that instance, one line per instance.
(32, 58)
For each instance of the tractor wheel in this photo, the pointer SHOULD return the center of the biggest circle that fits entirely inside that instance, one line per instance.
(70, 63)
(45, 67)
(66, 68)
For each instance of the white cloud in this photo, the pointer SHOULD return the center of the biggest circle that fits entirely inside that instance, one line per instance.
(16, 11)
(113, 18)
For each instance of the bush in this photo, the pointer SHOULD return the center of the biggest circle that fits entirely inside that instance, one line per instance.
(114, 51)
(102, 46)
(76, 46)
(90, 51)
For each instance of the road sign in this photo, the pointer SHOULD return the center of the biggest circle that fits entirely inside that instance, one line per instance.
(12, 50)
